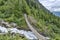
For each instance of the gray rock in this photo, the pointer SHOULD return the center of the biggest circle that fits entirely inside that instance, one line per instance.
(13, 24)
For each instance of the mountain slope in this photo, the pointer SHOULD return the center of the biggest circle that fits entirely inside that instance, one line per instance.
(47, 24)
(57, 13)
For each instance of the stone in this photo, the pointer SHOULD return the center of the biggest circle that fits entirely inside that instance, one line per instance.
(13, 24)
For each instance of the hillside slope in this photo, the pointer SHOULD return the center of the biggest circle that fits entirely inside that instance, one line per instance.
(47, 24)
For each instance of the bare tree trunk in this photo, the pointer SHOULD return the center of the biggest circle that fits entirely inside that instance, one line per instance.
(40, 37)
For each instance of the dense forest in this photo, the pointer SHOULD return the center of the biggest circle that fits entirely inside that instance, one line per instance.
(47, 24)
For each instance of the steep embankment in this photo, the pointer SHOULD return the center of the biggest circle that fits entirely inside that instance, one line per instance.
(46, 23)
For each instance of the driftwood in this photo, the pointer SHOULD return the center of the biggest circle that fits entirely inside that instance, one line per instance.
(39, 36)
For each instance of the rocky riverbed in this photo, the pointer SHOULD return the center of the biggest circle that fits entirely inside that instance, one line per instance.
(5, 28)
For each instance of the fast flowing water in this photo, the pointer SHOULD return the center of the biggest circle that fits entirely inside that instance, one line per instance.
(27, 34)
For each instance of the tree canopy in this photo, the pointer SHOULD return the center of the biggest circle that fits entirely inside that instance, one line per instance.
(47, 23)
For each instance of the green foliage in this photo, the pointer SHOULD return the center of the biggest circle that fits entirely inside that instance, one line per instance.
(47, 23)
(11, 37)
